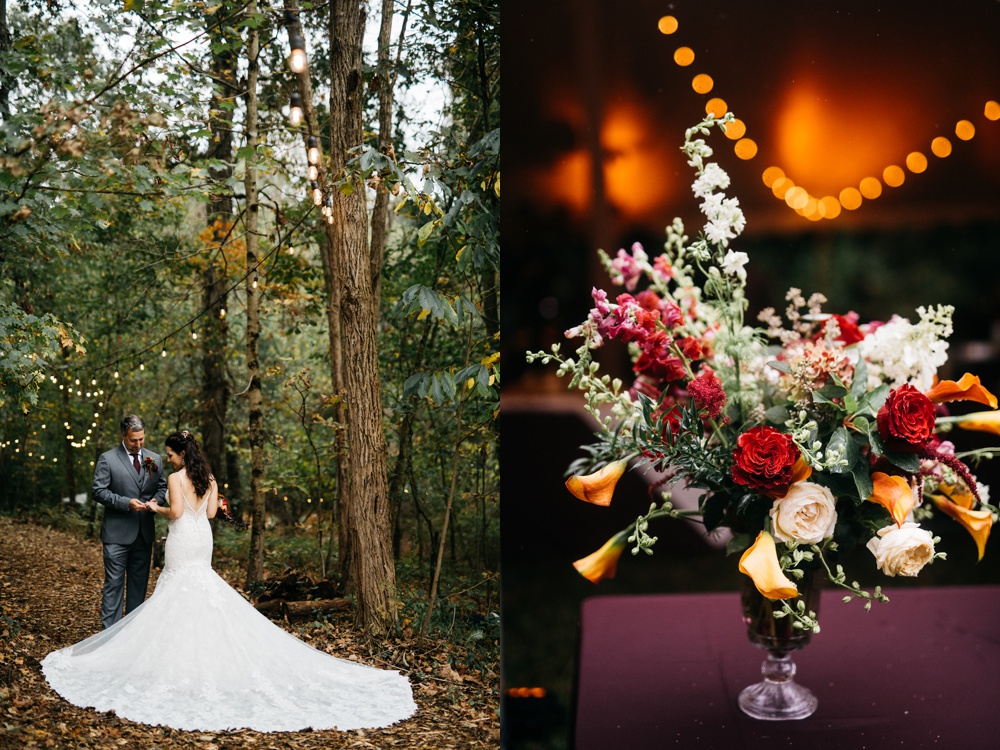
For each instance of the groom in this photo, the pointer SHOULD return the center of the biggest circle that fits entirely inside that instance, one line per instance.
(125, 478)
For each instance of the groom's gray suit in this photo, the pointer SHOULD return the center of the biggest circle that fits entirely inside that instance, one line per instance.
(127, 534)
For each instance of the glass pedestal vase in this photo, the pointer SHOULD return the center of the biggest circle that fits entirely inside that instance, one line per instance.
(778, 696)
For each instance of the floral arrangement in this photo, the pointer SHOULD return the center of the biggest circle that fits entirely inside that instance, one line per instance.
(150, 466)
(810, 433)
(228, 516)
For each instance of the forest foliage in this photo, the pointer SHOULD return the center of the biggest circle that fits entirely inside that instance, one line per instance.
(123, 266)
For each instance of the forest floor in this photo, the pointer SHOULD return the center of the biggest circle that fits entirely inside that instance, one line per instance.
(50, 587)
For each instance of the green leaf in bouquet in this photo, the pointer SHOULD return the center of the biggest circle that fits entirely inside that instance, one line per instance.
(908, 462)
(777, 415)
(713, 511)
(862, 481)
(738, 543)
(859, 386)
(828, 393)
(840, 443)
(780, 366)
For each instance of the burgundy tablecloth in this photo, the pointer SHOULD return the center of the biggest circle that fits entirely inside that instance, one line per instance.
(665, 672)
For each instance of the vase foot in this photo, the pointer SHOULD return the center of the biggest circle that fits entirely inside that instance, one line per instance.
(777, 701)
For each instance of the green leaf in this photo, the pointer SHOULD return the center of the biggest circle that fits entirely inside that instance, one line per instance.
(780, 366)
(425, 231)
(862, 481)
(908, 462)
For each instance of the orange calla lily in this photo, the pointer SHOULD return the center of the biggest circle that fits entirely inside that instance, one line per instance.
(967, 388)
(604, 563)
(760, 562)
(597, 488)
(894, 494)
(958, 503)
(984, 421)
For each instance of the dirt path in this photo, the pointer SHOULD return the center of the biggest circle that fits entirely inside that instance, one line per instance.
(50, 585)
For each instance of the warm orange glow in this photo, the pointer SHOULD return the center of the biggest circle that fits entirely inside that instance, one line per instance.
(941, 146)
(992, 110)
(684, 56)
(736, 130)
(871, 188)
(893, 176)
(745, 149)
(916, 162)
(633, 180)
(965, 130)
(772, 175)
(811, 209)
(797, 198)
(567, 183)
(667, 25)
(702, 83)
(527, 692)
(850, 198)
(717, 108)
(830, 207)
(828, 137)
(781, 186)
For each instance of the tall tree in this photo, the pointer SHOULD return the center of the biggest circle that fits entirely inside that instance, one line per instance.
(255, 570)
(224, 46)
(369, 523)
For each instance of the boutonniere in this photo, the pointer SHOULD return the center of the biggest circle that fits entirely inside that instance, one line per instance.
(150, 466)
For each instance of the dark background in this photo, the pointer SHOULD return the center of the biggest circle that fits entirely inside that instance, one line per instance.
(594, 120)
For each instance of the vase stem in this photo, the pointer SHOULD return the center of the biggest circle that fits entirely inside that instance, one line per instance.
(777, 696)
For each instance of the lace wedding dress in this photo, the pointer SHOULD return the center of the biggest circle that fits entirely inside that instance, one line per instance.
(196, 655)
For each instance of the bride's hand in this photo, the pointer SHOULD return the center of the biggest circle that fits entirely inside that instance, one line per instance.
(151, 506)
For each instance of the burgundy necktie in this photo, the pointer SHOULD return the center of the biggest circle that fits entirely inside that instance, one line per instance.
(135, 462)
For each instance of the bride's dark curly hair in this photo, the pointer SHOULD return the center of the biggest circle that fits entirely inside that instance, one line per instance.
(199, 472)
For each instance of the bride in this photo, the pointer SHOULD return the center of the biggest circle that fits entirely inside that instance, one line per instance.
(197, 656)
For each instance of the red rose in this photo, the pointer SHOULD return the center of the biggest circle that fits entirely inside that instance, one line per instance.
(763, 459)
(906, 420)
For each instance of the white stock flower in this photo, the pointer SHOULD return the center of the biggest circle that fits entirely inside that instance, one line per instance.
(903, 352)
(713, 178)
(902, 550)
(807, 514)
(733, 264)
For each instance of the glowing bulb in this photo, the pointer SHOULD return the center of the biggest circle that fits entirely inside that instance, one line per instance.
(142, 366)
(312, 150)
(254, 284)
(297, 60)
(163, 353)
(313, 172)
(116, 373)
(194, 336)
(222, 313)
(295, 110)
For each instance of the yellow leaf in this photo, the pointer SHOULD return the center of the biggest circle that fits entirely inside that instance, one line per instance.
(470, 383)
(490, 359)
(458, 255)
(424, 312)
(492, 379)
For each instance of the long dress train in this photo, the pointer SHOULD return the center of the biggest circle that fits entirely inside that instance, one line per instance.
(196, 655)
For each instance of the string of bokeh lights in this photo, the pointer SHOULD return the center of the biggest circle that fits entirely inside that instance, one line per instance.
(783, 186)
(298, 62)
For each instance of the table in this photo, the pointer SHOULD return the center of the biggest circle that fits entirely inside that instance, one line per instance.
(665, 671)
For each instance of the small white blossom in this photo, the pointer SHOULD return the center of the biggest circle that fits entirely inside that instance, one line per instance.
(733, 264)
(712, 179)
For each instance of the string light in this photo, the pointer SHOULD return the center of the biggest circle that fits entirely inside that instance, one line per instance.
(327, 206)
(297, 60)
(317, 194)
(312, 153)
(163, 353)
(222, 313)
(254, 285)
(313, 175)
(295, 110)
(784, 189)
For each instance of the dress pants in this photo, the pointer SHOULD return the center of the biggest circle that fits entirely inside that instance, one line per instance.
(126, 577)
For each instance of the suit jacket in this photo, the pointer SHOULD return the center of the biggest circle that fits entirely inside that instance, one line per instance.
(115, 483)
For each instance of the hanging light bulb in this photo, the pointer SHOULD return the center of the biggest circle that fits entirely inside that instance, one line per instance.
(295, 110)
(313, 150)
(222, 313)
(317, 194)
(116, 374)
(297, 60)
(313, 175)
(327, 206)
(163, 353)
(142, 366)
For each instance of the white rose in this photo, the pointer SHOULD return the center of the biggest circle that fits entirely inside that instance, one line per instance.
(807, 514)
(902, 550)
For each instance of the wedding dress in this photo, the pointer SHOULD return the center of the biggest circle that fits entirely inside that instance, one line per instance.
(196, 655)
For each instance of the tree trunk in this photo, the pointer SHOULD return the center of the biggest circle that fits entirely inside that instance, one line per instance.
(5, 80)
(255, 570)
(216, 389)
(331, 276)
(369, 523)
(384, 80)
